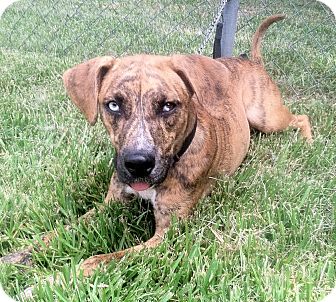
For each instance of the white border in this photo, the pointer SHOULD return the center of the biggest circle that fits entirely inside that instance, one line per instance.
(4, 297)
(4, 4)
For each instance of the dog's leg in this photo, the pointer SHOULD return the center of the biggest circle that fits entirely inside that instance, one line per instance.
(162, 222)
(280, 118)
(92, 263)
(267, 113)
(174, 200)
(116, 193)
(302, 122)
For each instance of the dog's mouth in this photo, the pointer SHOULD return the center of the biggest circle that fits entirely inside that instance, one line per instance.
(142, 183)
(140, 186)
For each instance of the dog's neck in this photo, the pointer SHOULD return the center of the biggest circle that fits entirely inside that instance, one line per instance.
(186, 143)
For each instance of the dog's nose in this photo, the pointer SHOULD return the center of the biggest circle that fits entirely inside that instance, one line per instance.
(139, 164)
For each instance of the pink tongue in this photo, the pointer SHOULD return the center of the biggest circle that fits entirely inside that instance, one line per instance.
(139, 186)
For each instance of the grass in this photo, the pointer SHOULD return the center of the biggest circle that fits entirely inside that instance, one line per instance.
(265, 234)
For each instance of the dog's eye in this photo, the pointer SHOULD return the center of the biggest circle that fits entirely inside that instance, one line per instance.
(168, 107)
(113, 106)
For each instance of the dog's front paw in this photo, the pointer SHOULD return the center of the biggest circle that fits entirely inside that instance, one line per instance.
(23, 257)
(91, 264)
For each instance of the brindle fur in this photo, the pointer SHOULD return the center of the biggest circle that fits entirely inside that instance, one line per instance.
(226, 96)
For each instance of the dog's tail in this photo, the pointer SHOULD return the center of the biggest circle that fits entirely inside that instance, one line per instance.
(257, 37)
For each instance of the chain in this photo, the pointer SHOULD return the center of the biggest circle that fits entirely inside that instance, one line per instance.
(212, 26)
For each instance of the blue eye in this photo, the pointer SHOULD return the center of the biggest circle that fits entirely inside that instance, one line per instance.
(167, 107)
(113, 106)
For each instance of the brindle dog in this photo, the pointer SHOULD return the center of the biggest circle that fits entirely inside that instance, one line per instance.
(176, 123)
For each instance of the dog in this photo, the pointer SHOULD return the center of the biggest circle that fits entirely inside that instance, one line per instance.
(177, 122)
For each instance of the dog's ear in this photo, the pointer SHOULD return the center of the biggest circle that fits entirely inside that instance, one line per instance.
(83, 83)
(205, 78)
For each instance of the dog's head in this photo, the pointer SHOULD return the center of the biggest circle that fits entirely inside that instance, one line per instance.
(147, 104)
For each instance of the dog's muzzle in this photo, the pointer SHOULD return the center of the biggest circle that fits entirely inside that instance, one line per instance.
(141, 169)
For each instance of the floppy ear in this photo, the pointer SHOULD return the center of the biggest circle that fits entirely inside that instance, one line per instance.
(83, 83)
(205, 78)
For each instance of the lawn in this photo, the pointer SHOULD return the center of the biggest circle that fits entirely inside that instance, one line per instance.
(267, 233)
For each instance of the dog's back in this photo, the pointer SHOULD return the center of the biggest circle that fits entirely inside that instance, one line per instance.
(258, 92)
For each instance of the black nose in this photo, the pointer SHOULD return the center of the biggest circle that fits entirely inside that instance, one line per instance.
(139, 164)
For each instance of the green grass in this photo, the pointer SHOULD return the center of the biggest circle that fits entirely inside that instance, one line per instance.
(266, 234)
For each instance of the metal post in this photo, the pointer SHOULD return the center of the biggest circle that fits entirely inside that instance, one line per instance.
(217, 47)
(226, 29)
